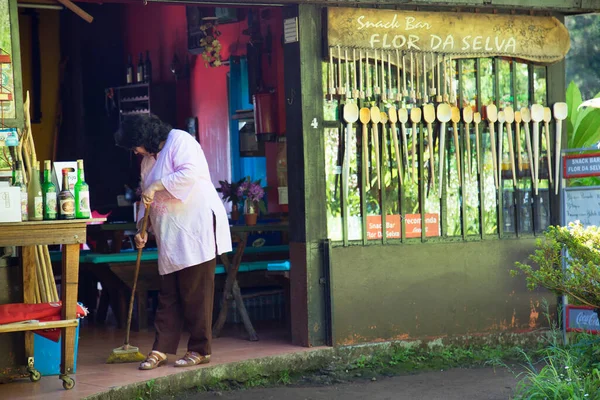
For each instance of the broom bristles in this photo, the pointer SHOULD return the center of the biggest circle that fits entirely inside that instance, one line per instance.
(125, 354)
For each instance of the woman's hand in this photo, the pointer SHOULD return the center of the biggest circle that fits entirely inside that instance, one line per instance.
(141, 239)
(148, 194)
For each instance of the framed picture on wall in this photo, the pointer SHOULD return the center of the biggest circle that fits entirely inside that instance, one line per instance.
(11, 93)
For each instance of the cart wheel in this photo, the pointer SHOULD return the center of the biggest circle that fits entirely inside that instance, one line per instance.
(34, 375)
(68, 383)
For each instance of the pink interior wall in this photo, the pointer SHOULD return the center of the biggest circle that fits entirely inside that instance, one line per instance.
(162, 29)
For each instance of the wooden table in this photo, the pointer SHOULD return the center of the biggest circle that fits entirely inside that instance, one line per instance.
(239, 234)
(71, 234)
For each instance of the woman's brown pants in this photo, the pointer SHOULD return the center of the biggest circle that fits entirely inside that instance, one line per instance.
(186, 296)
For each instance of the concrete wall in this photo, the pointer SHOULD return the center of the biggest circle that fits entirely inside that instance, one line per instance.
(430, 290)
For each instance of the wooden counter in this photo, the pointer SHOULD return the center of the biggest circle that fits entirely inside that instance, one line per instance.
(27, 235)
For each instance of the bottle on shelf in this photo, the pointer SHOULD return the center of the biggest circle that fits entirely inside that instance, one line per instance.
(129, 71)
(148, 68)
(34, 194)
(49, 190)
(82, 194)
(139, 76)
(66, 201)
(18, 182)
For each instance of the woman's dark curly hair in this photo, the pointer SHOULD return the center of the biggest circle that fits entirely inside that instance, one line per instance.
(143, 130)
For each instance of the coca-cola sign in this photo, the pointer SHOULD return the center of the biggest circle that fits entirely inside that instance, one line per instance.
(581, 318)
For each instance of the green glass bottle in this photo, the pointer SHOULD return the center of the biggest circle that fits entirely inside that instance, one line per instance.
(82, 194)
(49, 190)
(35, 197)
(66, 201)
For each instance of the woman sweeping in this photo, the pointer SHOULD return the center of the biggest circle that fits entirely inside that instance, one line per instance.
(191, 228)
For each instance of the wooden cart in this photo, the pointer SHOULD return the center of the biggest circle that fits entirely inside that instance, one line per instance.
(27, 235)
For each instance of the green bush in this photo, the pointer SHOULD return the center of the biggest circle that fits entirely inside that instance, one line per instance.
(581, 281)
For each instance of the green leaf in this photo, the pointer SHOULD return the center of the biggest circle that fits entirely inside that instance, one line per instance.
(588, 131)
(574, 99)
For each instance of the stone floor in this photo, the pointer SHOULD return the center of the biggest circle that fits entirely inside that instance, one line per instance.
(95, 345)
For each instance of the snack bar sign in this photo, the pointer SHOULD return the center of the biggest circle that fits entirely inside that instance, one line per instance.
(459, 35)
(581, 165)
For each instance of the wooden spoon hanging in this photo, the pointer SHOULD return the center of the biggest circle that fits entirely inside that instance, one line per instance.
(547, 119)
(518, 120)
(501, 121)
(537, 116)
(415, 118)
(429, 116)
(403, 119)
(444, 115)
(468, 118)
(510, 118)
(526, 116)
(375, 119)
(492, 115)
(350, 116)
(393, 114)
(561, 112)
(477, 121)
(365, 118)
(455, 120)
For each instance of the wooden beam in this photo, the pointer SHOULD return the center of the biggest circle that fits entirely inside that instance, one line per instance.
(558, 6)
(77, 10)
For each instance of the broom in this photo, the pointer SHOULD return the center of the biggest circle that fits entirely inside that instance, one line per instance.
(128, 353)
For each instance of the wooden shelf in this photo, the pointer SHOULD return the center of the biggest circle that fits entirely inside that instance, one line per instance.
(34, 326)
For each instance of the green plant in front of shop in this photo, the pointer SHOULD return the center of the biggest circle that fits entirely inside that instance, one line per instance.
(581, 281)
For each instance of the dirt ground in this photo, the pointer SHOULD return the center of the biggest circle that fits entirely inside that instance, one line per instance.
(454, 384)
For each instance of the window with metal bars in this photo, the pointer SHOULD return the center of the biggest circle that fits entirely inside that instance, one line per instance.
(467, 192)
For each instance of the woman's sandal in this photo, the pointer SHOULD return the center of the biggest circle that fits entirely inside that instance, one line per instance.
(192, 358)
(154, 360)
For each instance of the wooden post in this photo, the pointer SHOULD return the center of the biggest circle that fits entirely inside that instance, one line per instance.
(306, 176)
(70, 278)
(28, 265)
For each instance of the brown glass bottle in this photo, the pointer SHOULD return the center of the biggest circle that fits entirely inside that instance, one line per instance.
(66, 201)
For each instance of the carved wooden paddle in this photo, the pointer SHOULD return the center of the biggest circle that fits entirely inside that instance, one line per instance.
(415, 118)
(403, 119)
(561, 112)
(444, 114)
(365, 118)
(526, 116)
(468, 118)
(393, 114)
(537, 116)
(477, 121)
(492, 115)
(429, 116)
(509, 113)
(375, 119)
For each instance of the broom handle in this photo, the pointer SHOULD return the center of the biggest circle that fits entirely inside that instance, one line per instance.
(135, 276)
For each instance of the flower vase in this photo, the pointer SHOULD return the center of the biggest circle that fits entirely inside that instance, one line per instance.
(235, 213)
(250, 212)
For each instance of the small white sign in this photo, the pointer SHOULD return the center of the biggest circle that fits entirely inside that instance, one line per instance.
(290, 30)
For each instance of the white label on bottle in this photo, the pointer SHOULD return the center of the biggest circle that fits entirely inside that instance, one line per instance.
(38, 204)
(84, 202)
(51, 203)
(24, 211)
(67, 207)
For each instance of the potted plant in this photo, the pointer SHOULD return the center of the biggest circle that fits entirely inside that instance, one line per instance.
(229, 193)
(210, 43)
(252, 193)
